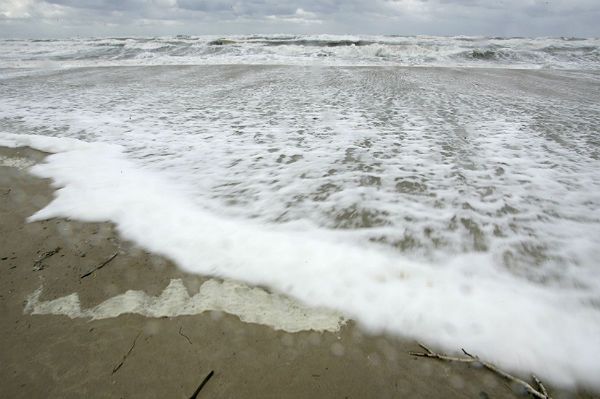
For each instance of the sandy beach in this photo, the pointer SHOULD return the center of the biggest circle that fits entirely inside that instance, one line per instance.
(134, 356)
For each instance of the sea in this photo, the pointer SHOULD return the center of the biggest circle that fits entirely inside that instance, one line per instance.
(442, 189)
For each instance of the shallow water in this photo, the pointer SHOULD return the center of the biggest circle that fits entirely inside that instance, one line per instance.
(447, 204)
(434, 162)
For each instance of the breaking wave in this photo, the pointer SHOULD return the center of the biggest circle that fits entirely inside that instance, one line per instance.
(527, 53)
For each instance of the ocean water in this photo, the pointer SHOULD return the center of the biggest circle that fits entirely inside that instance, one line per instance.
(441, 189)
(515, 52)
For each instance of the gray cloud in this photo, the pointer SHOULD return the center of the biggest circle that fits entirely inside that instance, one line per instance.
(205, 5)
(105, 5)
(169, 17)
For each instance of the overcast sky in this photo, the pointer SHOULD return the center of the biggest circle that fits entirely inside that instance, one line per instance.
(60, 18)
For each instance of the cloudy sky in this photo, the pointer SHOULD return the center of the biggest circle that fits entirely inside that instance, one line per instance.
(60, 18)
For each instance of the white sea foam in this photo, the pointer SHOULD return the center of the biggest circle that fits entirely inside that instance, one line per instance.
(304, 50)
(251, 305)
(465, 301)
(16, 162)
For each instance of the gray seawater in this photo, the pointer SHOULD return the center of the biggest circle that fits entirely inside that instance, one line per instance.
(485, 175)
(348, 50)
(431, 161)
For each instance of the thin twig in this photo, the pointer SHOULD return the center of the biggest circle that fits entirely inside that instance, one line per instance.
(539, 384)
(185, 336)
(204, 381)
(468, 354)
(432, 354)
(541, 394)
(106, 262)
(118, 366)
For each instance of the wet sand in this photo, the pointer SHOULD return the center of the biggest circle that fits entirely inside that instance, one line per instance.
(133, 356)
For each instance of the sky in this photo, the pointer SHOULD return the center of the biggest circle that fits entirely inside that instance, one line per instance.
(68, 18)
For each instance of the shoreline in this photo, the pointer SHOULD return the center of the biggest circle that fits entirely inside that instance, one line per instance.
(168, 356)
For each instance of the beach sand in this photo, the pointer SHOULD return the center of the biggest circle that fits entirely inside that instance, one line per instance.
(134, 356)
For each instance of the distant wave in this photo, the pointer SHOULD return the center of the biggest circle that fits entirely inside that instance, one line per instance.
(496, 52)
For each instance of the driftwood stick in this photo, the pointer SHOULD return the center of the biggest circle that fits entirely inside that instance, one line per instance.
(468, 354)
(106, 262)
(425, 347)
(118, 366)
(540, 385)
(204, 381)
(434, 355)
(542, 393)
